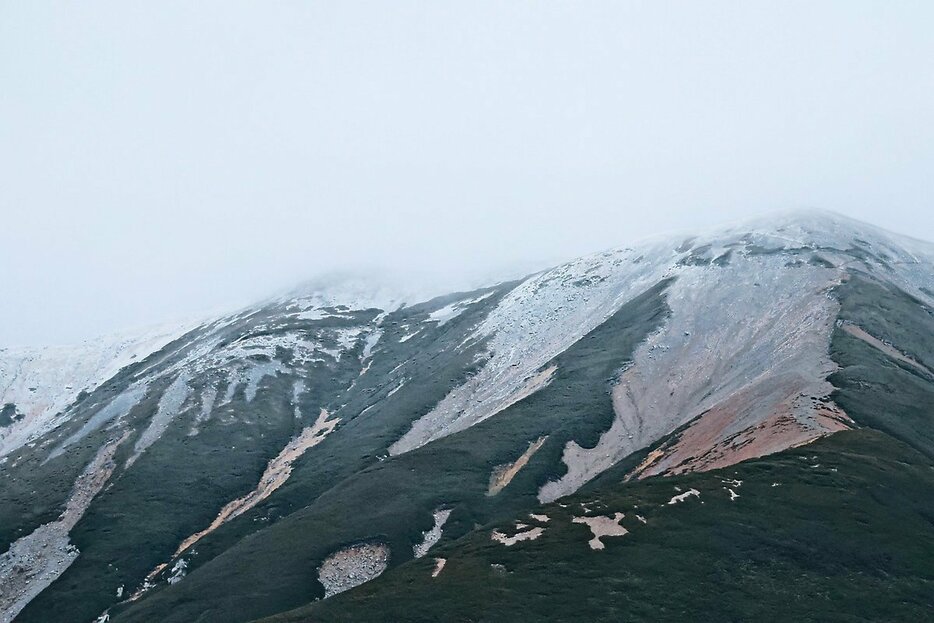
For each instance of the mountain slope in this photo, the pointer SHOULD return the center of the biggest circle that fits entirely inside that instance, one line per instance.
(837, 531)
(266, 459)
(37, 384)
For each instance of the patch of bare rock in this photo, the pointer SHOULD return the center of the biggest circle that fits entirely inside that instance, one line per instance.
(601, 527)
(352, 566)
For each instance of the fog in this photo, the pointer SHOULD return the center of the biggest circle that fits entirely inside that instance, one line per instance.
(162, 159)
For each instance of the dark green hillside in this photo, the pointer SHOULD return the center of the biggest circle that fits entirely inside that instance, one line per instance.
(845, 534)
(873, 388)
(392, 501)
(177, 487)
(839, 530)
(244, 471)
(33, 489)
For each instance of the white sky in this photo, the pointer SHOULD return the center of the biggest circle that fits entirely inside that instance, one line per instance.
(161, 158)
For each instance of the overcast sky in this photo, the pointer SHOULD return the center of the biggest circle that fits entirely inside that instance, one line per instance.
(162, 158)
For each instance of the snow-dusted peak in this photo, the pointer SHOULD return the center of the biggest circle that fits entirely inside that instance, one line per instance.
(551, 310)
(357, 292)
(818, 228)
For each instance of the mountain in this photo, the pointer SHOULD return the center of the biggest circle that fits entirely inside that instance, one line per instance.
(732, 425)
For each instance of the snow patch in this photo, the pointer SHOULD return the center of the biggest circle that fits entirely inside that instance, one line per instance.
(409, 336)
(178, 571)
(114, 411)
(170, 404)
(396, 388)
(682, 497)
(453, 310)
(43, 382)
(748, 374)
(527, 535)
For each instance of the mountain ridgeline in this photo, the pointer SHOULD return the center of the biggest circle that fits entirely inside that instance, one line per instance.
(736, 425)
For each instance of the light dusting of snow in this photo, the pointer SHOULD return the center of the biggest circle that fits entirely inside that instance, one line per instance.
(548, 312)
(532, 324)
(453, 310)
(409, 336)
(115, 410)
(372, 339)
(43, 382)
(396, 388)
(208, 396)
(683, 496)
(759, 350)
(169, 406)
(526, 535)
(177, 572)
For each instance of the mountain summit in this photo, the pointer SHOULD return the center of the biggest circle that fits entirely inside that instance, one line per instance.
(746, 410)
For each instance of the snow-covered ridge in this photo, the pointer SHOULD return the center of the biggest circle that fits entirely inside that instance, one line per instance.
(42, 382)
(552, 310)
(387, 292)
(740, 363)
(38, 384)
(904, 260)
(536, 321)
(743, 356)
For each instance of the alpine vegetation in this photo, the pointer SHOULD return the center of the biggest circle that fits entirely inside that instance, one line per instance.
(723, 426)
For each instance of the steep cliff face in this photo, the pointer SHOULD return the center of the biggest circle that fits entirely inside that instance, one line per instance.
(359, 416)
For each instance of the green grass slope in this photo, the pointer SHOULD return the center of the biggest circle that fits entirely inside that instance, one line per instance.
(840, 530)
(392, 501)
(873, 388)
